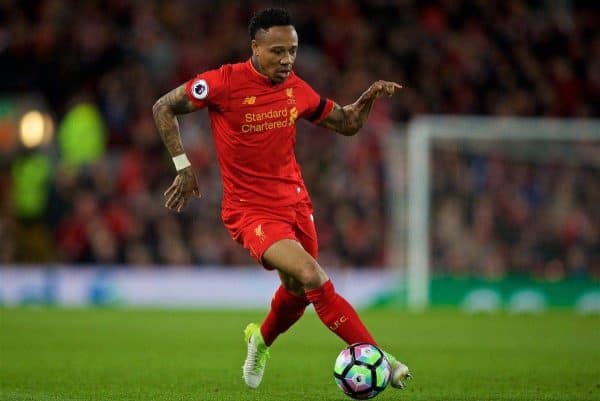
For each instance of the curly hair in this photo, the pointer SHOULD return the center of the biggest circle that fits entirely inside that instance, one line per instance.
(267, 18)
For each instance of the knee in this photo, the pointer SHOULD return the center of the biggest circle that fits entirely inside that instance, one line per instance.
(293, 286)
(311, 275)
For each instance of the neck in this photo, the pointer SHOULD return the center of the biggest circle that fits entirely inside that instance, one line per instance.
(257, 66)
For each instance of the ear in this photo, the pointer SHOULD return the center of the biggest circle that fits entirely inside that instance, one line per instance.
(255, 48)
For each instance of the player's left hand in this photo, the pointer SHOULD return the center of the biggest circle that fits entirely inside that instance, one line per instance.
(184, 186)
(380, 88)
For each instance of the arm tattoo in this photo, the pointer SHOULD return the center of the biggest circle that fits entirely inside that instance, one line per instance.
(348, 120)
(336, 120)
(165, 111)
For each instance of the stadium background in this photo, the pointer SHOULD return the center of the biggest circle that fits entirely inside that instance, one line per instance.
(519, 58)
(90, 193)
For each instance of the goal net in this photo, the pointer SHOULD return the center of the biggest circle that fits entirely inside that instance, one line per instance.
(487, 197)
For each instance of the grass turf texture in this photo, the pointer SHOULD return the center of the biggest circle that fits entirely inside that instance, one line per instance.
(118, 355)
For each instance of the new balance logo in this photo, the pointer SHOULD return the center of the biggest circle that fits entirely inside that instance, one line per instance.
(249, 100)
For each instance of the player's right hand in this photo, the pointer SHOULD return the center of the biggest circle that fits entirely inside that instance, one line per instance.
(184, 186)
(381, 88)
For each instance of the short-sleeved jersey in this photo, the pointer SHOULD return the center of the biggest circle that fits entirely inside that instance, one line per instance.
(253, 124)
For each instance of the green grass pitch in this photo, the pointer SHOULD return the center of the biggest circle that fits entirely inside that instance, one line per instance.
(121, 354)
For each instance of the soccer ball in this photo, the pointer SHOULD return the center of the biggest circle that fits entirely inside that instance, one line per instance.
(362, 371)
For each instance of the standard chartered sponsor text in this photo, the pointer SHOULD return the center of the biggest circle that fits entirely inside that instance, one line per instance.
(268, 120)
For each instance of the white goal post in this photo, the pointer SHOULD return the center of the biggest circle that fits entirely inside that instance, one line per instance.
(420, 134)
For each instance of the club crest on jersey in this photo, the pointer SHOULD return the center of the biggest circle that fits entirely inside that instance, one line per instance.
(290, 95)
(200, 89)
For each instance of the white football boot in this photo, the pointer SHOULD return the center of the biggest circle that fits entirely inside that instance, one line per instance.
(256, 358)
(400, 372)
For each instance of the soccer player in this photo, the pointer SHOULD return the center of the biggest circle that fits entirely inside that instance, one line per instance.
(253, 108)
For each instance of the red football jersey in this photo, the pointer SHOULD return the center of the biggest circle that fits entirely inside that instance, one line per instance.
(254, 128)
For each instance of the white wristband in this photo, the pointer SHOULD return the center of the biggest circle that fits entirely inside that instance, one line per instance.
(181, 161)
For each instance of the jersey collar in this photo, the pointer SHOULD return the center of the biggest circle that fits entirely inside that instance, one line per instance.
(263, 79)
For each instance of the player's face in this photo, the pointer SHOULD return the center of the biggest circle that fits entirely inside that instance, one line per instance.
(275, 51)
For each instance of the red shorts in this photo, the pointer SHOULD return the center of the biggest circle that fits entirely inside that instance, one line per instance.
(258, 228)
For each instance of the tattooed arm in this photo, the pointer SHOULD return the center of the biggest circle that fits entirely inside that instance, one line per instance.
(348, 120)
(165, 111)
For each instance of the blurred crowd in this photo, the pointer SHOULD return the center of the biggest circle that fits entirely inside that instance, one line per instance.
(514, 57)
(495, 214)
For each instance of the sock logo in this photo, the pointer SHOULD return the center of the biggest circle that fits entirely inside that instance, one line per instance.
(336, 325)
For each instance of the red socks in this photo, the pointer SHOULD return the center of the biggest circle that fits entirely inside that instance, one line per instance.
(286, 309)
(333, 310)
(338, 315)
